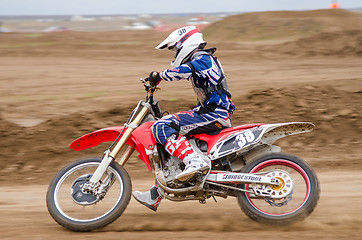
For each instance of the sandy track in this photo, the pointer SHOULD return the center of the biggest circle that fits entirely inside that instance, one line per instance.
(337, 216)
(47, 87)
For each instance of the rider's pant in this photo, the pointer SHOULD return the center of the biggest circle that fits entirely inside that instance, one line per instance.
(191, 122)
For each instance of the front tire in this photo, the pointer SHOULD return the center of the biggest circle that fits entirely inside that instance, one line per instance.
(78, 213)
(298, 204)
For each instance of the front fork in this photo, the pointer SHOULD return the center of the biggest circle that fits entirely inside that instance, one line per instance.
(109, 156)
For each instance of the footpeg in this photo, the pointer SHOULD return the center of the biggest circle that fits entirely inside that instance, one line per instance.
(199, 177)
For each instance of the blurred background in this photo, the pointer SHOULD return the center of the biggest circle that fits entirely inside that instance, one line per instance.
(71, 67)
(161, 15)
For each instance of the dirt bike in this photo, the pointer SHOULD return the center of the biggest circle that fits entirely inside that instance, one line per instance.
(270, 186)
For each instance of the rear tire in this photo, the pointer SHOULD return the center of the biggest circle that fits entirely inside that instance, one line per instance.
(77, 217)
(296, 206)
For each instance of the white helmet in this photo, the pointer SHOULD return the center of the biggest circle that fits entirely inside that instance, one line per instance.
(183, 41)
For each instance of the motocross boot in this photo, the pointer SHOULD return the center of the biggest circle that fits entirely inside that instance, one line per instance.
(181, 148)
(150, 199)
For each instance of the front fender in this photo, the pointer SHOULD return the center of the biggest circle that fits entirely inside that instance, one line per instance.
(141, 139)
(95, 138)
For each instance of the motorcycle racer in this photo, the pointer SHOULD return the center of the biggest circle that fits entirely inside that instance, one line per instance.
(212, 112)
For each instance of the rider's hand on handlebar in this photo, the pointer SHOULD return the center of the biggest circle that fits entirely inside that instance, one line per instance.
(154, 79)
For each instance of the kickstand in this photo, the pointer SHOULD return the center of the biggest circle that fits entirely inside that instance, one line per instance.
(214, 198)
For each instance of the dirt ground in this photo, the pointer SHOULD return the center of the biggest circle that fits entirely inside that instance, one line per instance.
(57, 87)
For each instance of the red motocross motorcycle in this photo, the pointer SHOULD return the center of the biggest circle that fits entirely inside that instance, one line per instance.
(270, 186)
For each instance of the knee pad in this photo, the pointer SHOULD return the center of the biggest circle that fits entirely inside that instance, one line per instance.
(163, 129)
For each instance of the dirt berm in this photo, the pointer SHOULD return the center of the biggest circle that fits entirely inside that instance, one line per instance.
(44, 147)
(283, 25)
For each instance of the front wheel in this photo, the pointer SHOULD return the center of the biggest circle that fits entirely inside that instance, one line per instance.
(293, 200)
(75, 208)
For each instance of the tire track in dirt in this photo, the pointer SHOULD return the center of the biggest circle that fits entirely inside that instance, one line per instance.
(333, 218)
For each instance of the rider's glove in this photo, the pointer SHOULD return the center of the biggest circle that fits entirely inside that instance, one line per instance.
(154, 79)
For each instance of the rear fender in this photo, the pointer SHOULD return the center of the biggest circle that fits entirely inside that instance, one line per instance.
(276, 131)
(245, 140)
(141, 140)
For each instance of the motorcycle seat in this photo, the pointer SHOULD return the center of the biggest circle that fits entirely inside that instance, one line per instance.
(211, 138)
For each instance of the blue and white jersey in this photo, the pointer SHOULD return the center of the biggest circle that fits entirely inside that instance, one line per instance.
(206, 69)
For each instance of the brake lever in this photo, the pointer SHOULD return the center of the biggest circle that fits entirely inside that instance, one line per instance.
(145, 84)
(148, 87)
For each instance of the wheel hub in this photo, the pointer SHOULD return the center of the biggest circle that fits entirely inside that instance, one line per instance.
(78, 193)
(281, 185)
(284, 188)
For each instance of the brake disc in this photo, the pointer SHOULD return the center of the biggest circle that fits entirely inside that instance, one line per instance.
(79, 194)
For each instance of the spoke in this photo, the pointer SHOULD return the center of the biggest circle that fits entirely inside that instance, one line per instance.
(283, 205)
(80, 212)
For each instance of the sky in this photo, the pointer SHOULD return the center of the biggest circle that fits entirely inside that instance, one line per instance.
(105, 7)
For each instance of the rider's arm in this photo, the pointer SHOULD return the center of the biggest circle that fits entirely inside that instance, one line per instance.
(204, 66)
(175, 74)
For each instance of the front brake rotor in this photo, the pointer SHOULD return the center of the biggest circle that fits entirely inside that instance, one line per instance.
(79, 194)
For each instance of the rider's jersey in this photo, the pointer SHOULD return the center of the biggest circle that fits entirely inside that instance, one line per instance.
(206, 69)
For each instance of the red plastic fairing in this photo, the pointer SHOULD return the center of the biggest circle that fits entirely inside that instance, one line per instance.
(140, 139)
(95, 138)
(144, 135)
(213, 139)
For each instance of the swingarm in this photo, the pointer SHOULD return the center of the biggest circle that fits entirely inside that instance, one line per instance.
(260, 184)
(225, 177)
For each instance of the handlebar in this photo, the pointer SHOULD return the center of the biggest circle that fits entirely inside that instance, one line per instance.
(148, 87)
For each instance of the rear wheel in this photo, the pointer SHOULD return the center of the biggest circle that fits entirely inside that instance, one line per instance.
(293, 200)
(77, 209)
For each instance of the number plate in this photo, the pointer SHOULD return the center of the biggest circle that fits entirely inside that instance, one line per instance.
(238, 141)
